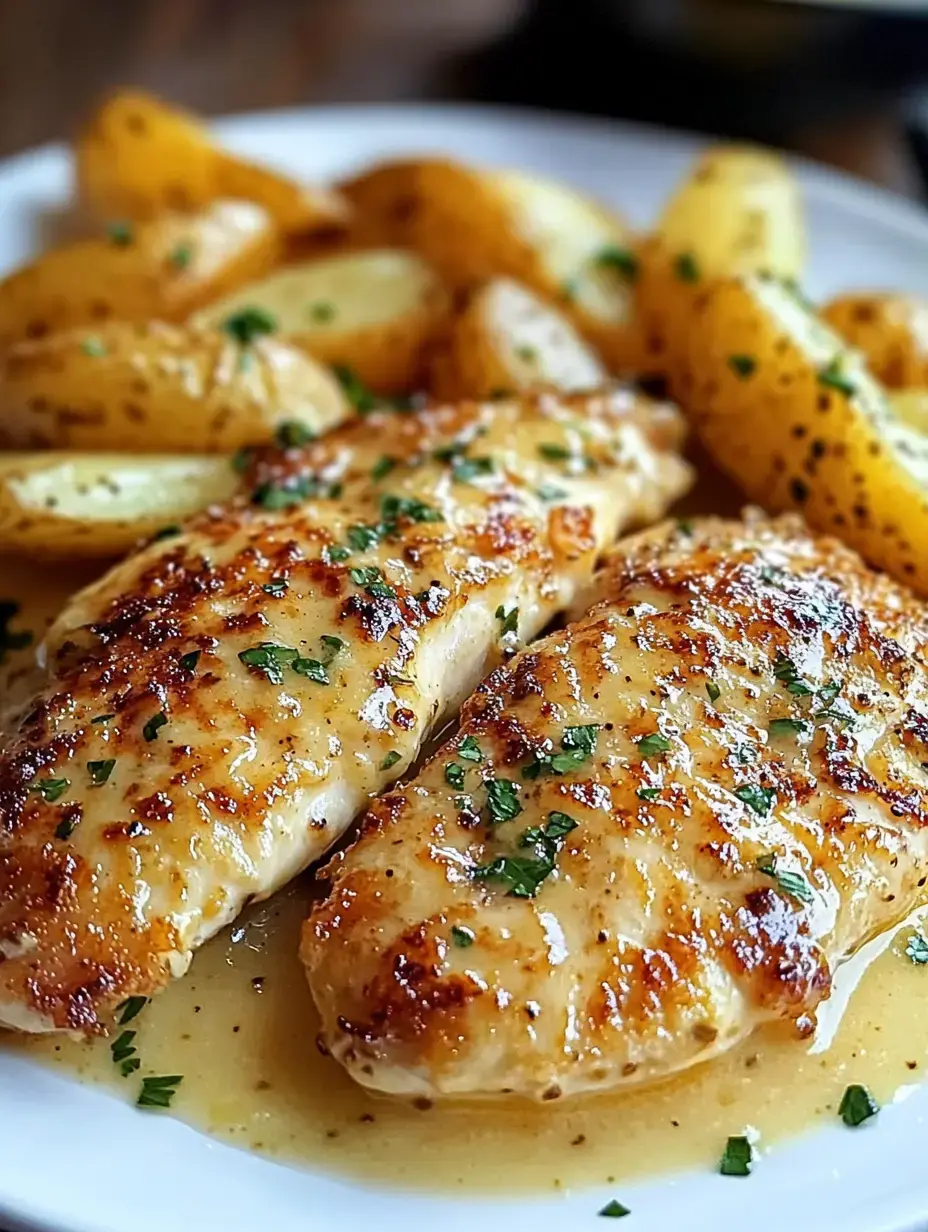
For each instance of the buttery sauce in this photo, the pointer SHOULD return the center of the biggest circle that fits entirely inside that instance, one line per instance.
(241, 1029)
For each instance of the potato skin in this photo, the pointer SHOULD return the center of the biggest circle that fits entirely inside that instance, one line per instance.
(138, 157)
(375, 312)
(737, 212)
(504, 338)
(474, 225)
(65, 506)
(157, 388)
(163, 269)
(890, 329)
(799, 422)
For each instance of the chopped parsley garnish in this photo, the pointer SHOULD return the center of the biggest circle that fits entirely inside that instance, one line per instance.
(123, 1053)
(354, 389)
(857, 1105)
(332, 646)
(190, 660)
(454, 774)
(100, 771)
(120, 233)
(461, 936)
(758, 798)
(510, 620)
(787, 727)
(50, 789)
(276, 587)
(737, 1158)
(551, 492)
(648, 793)
(832, 377)
(181, 255)
(651, 746)
(371, 579)
(613, 1210)
(382, 467)
(159, 1092)
(469, 749)
(685, 526)
(577, 746)
(292, 434)
(94, 347)
(713, 691)
(685, 267)
(916, 949)
(242, 459)
(785, 671)
(742, 365)
(389, 760)
(788, 881)
(249, 323)
(362, 537)
(103, 718)
(129, 1009)
(65, 828)
(154, 724)
(286, 493)
(322, 312)
(524, 874)
(502, 800)
(469, 468)
(392, 507)
(271, 658)
(527, 354)
(334, 554)
(9, 640)
(313, 669)
(553, 452)
(622, 260)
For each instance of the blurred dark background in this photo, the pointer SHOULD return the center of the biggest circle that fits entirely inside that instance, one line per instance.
(844, 82)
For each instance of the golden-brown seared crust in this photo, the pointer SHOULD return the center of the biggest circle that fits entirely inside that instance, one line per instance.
(157, 781)
(747, 806)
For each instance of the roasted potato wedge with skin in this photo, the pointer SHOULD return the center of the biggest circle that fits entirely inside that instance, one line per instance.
(68, 505)
(796, 418)
(473, 225)
(138, 157)
(163, 270)
(504, 338)
(892, 332)
(157, 388)
(372, 312)
(738, 212)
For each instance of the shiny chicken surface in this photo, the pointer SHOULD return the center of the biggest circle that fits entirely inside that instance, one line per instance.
(656, 829)
(219, 707)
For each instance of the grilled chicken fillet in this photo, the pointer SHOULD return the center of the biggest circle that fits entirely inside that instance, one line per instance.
(219, 707)
(656, 830)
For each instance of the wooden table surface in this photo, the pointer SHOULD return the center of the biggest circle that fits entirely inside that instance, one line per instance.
(58, 56)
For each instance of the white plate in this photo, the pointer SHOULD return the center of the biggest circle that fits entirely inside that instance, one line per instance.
(74, 1160)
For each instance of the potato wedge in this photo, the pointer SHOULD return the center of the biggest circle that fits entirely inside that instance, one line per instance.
(372, 312)
(504, 338)
(138, 157)
(158, 388)
(68, 505)
(737, 212)
(163, 269)
(473, 225)
(890, 329)
(797, 419)
(911, 407)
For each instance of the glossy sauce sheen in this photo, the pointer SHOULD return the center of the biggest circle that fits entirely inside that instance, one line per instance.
(252, 1076)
